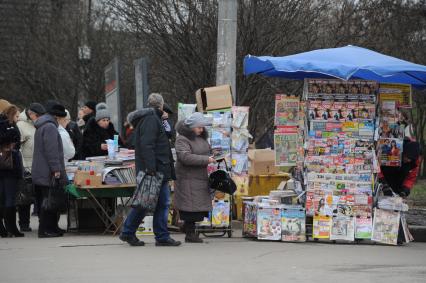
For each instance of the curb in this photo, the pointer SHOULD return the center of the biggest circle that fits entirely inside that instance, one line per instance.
(418, 232)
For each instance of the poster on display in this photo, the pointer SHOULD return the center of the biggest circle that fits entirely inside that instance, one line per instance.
(385, 226)
(269, 223)
(363, 227)
(338, 89)
(343, 228)
(401, 93)
(321, 227)
(390, 152)
(220, 214)
(286, 110)
(286, 146)
(293, 225)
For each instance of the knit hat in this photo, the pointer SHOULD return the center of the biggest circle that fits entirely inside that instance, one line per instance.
(37, 108)
(3, 104)
(167, 109)
(56, 109)
(102, 111)
(91, 104)
(197, 119)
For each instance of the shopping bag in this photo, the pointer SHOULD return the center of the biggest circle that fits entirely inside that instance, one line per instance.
(56, 199)
(148, 191)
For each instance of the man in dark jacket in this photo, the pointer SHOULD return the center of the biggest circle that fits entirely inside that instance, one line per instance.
(153, 154)
(48, 163)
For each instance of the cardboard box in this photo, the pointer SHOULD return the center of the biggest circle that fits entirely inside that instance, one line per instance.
(214, 98)
(262, 162)
(81, 177)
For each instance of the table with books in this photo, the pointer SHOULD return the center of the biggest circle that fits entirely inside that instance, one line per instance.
(93, 194)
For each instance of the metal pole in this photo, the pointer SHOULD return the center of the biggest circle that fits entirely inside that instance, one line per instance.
(141, 82)
(227, 45)
(84, 49)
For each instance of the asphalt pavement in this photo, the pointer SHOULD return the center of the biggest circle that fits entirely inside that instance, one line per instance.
(103, 258)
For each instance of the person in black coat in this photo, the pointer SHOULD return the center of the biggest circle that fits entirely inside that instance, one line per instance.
(98, 130)
(152, 154)
(10, 142)
(76, 137)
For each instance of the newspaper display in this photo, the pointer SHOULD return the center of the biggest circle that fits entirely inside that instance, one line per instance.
(321, 227)
(401, 93)
(385, 226)
(293, 224)
(363, 227)
(286, 146)
(286, 110)
(343, 228)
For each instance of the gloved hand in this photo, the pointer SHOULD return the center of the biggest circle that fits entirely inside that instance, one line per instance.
(405, 192)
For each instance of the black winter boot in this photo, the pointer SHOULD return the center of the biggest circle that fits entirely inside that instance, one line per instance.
(3, 231)
(10, 222)
(191, 236)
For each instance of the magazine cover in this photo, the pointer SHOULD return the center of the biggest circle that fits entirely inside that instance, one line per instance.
(366, 129)
(321, 227)
(351, 110)
(220, 214)
(286, 110)
(221, 119)
(325, 110)
(363, 227)
(240, 117)
(343, 228)
(314, 110)
(390, 130)
(250, 220)
(390, 152)
(388, 110)
(293, 225)
(385, 226)
(401, 93)
(338, 110)
(286, 146)
(269, 223)
(367, 110)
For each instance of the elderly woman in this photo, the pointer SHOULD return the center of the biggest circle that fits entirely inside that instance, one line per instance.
(192, 196)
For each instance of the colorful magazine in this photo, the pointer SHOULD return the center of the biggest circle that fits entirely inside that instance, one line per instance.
(321, 227)
(286, 146)
(390, 152)
(363, 227)
(220, 213)
(343, 228)
(286, 110)
(250, 220)
(269, 223)
(293, 224)
(400, 93)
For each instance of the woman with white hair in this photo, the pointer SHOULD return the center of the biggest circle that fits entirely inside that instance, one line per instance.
(69, 149)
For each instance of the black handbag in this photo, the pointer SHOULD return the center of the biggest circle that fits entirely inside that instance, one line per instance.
(6, 157)
(220, 180)
(56, 199)
(26, 194)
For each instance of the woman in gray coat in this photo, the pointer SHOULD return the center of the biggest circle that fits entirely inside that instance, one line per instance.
(192, 195)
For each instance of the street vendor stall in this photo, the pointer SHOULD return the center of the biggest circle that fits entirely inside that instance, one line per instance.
(338, 135)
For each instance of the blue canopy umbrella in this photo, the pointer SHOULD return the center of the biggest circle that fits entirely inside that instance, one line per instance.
(349, 62)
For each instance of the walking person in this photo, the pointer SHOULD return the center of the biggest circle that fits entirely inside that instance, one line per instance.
(10, 173)
(26, 127)
(192, 195)
(153, 154)
(48, 163)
